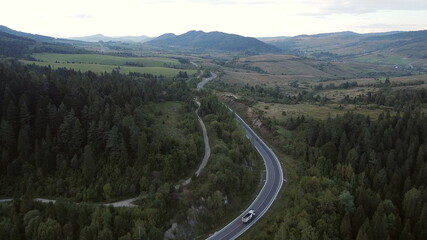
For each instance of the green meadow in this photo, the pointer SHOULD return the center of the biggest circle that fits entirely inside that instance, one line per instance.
(105, 59)
(105, 63)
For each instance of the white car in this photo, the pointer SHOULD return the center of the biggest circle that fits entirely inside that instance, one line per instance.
(248, 216)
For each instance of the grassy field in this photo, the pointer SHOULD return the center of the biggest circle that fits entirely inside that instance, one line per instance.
(322, 112)
(101, 68)
(251, 78)
(105, 59)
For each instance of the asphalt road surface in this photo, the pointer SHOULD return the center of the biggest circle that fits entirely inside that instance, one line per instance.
(201, 84)
(264, 200)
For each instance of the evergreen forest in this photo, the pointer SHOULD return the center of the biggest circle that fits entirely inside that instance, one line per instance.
(358, 178)
(86, 139)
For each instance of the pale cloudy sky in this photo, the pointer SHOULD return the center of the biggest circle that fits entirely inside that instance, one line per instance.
(256, 18)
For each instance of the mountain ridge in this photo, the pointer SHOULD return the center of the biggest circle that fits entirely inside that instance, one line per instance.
(219, 41)
(328, 34)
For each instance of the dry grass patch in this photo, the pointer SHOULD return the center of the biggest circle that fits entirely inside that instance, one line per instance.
(322, 112)
(268, 80)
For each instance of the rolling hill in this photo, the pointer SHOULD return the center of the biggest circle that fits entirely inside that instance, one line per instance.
(396, 48)
(217, 41)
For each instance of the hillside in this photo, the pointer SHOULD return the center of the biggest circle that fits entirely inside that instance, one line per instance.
(12, 46)
(396, 48)
(16, 46)
(35, 37)
(91, 138)
(218, 41)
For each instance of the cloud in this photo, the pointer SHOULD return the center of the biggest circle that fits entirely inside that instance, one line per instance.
(234, 2)
(82, 15)
(154, 2)
(326, 7)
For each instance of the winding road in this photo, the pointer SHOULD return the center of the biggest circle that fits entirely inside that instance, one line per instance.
(273, 183)
(271, 188)
(201, 84)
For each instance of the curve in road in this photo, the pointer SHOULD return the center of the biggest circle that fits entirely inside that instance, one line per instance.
(201, 84)
(267, 195)
(264, 200)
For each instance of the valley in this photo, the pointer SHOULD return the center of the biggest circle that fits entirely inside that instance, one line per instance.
(113, 122)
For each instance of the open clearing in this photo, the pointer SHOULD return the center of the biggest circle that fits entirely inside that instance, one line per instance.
(168, 118)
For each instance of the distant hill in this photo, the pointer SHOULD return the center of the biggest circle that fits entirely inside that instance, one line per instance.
(399, 48)
(218, 41)
(268, 39)
(20, 44)
(100, 37)
(35, 37)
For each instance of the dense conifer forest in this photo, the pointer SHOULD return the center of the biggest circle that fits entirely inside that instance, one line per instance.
(82, 138)
(88, 137)
(359, 178)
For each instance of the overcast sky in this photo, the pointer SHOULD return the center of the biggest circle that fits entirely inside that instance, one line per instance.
(256, 18)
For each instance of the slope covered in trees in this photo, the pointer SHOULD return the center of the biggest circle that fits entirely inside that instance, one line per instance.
(228, 182)
(359, 178)
(19, 44)
(90, 137)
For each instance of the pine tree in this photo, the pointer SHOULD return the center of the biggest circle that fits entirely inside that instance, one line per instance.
(89, 166)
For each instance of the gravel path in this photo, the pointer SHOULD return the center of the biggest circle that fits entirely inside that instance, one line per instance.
(207, 146)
